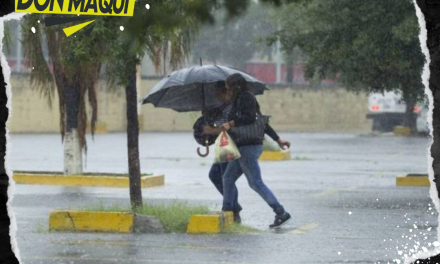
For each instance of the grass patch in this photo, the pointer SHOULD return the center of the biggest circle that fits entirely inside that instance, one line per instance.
(242, 229)
(174, 216)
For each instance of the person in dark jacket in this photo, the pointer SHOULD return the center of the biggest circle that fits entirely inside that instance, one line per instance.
(244, 111)
(217, 169)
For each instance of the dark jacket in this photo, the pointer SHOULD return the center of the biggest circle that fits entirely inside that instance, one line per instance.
(244, 111)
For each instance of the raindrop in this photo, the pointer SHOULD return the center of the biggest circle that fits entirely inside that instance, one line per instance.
(121, 28)
(410, 230)
(38, 21)
(33, 30)
(147, 6)
(436, 244)
(32, 68)
(349, 213)
(339, 253)
(429, 229)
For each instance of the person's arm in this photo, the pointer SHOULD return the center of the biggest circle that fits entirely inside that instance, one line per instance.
(212, 130)
(271, 133)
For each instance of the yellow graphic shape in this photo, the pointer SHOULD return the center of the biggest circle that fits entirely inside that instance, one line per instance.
(80, 7)
(70, 30)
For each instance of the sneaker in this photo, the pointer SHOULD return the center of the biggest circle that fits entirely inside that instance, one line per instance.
(280, 220)
(237, 218)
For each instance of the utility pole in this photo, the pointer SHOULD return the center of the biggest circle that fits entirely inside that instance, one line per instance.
(278, 59)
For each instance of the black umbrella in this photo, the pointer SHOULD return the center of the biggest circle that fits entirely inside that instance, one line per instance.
(194, 88)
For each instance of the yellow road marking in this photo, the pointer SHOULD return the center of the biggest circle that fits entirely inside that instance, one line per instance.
(413, 181)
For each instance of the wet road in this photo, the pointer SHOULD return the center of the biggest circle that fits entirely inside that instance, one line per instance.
(339, 188)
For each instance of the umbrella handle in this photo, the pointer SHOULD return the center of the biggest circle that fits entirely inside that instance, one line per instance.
(207, 150)
(203, 155)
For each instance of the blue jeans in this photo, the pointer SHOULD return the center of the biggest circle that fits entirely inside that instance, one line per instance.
(247, 164)
(216, 177)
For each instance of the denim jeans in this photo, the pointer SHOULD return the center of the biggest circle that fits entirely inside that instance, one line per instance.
(247, 164)
(216, 177)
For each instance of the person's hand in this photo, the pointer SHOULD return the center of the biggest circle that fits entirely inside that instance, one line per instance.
(226, 126)
(283, 144)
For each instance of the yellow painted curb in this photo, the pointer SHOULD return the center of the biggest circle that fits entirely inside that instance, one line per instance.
(91, 221)
(422, 181)
(402, 131)
(214, 223)
(275, 155)
(85, 180)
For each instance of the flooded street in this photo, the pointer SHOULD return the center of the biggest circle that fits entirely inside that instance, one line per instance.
(339, 188)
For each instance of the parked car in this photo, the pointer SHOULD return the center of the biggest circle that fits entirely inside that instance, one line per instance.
(387, 110)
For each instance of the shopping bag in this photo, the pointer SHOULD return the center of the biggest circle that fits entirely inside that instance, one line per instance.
(225, 149)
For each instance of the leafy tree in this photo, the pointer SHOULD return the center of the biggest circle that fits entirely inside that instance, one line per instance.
(162, 38)
(373, 44)
(234, 41)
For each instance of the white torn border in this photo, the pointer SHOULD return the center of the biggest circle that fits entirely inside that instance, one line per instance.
(11, 187)
(423, 37)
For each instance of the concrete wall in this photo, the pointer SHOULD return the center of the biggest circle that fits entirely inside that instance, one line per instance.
(292, 110)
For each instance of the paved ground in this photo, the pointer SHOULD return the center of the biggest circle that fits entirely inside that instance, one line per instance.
(339, 188)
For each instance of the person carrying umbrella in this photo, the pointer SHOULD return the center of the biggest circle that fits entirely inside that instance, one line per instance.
(244, 111)
(217, 169)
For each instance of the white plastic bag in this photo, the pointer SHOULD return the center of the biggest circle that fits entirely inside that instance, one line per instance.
(225, 149)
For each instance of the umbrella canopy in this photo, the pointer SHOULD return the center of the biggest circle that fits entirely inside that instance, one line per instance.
(195, 88)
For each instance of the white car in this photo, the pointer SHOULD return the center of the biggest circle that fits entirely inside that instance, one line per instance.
(387, 110)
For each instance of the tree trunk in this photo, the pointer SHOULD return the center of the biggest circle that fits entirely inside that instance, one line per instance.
(133, 142)
(289, 74)
(290, 61)
(410, 119)
(72, 147)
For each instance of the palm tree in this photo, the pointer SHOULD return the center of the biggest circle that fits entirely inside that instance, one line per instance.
(71, 71)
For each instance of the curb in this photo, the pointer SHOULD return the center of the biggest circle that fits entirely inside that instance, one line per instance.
(402, 131)
(213, 223)
(85, 180)
(275, 155)
(113, 222)
(413, 180)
